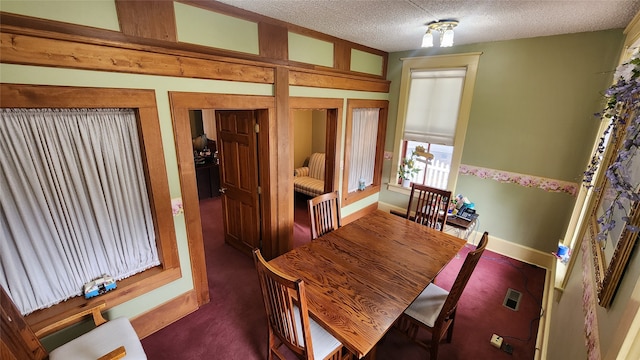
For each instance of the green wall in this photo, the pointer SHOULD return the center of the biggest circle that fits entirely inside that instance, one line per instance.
(95, 13)
(162, 85)
(532, 113)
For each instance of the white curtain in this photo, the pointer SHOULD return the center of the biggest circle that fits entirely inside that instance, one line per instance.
(364, 134)
(74, 202)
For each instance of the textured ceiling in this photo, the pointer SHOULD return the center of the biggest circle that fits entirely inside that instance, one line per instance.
(397, 25)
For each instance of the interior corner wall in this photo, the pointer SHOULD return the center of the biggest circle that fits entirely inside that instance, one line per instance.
(566, 338)
(567, 331)
(319, 131)
(302, 136)
(532, 113)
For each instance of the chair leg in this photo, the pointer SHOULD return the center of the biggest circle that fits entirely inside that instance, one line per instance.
(274, 347)
(407, 327)
(450, 329)
(433, 353)
(270, 344)
(436, 337)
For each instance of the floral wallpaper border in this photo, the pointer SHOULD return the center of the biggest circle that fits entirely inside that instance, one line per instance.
(176, 206)
(550, 185)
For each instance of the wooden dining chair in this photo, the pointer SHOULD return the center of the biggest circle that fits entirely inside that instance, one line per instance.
(324, 211)
(289, 323)
(110, 340)
(428, 206)
(435, 308)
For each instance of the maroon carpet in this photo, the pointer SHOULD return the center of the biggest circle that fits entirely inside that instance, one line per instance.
(233, 324)
(301, 232)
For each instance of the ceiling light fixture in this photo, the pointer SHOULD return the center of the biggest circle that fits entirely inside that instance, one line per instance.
(445, 28)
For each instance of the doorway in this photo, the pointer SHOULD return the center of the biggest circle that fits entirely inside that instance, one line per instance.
(317, 125)
(262, 111)
(226, 167)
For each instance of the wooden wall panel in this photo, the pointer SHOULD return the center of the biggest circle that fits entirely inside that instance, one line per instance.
(147, 19)
(274, 41)
(20, 49)
(282, 166)
(306, 78)
(342, 57)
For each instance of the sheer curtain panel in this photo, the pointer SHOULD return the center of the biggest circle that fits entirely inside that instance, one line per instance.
(74, 202)
(364, 135)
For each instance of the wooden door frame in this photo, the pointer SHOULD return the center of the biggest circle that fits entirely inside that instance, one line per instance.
(334, 108)
(181, 103)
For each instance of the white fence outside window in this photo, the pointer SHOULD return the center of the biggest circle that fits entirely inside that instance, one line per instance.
(437, 174)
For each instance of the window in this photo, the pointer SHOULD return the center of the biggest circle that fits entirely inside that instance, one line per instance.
(433, 171)
(79, 202)
(433, 112)
(364, 146)
(144, 104)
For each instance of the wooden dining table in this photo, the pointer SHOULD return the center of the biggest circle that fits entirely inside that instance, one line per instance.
(361, 277)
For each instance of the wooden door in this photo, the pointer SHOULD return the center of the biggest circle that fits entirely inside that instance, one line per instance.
(239, 178)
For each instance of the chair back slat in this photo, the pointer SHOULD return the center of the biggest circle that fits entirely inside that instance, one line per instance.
(428, 206)
(284, 296)
(463, 277)
(324, 211)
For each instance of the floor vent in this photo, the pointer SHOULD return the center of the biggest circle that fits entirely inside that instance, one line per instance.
(512, 299)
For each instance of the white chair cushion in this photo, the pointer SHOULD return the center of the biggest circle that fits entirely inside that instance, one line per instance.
(102, 340)
(428, 305)
(323, 342)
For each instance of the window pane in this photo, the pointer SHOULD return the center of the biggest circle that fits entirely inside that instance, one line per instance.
(438, 168)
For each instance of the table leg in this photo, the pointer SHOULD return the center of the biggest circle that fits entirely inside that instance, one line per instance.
(372, 354)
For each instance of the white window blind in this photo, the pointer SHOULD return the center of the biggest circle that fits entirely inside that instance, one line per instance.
(432, 109)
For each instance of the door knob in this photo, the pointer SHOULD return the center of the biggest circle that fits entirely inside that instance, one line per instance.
(222, 190)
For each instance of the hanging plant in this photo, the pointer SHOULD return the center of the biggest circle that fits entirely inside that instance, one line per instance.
(622, 111)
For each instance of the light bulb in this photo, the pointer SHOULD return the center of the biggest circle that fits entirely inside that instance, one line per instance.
(447, 38)
(427, 39)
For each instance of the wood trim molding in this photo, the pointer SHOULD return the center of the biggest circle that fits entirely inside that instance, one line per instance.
(165, 314)
(67, 53)
(281, 167)
(341, 44)
(360, 213)
(333, 81)
(272, 34)
(29, 50)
